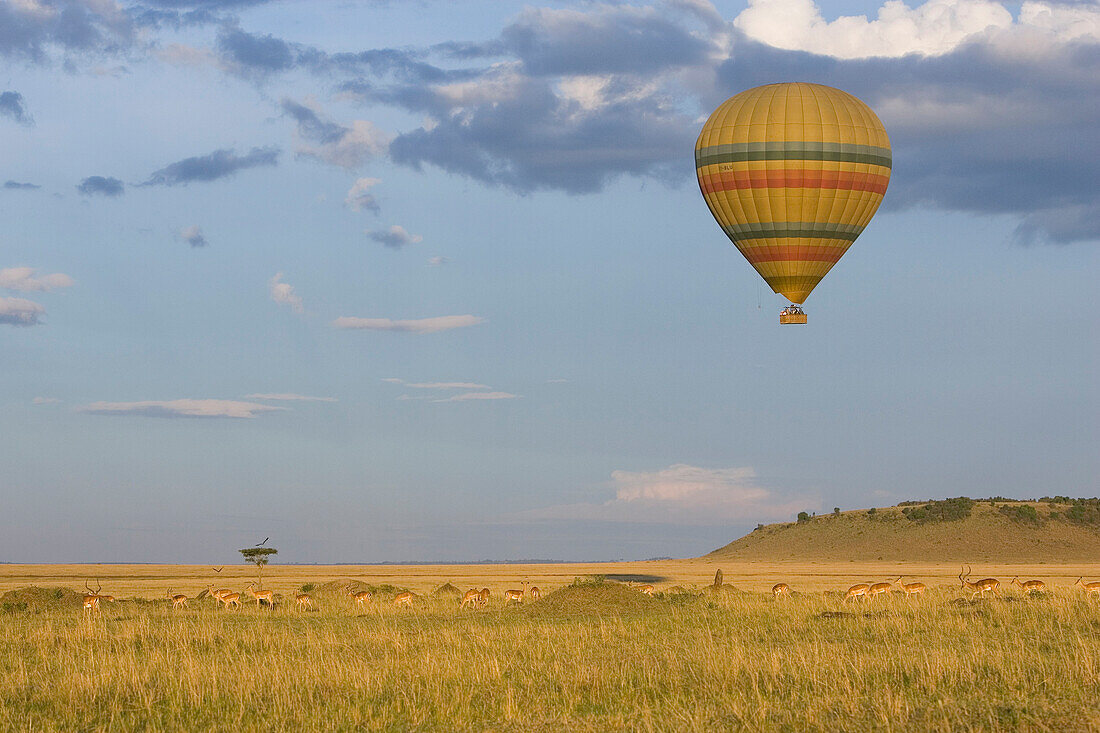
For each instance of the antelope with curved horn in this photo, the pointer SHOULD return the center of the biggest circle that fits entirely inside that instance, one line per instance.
(217, 594)
(781, 589)
(981, 587)
(876, 589)
(1030, 586)
(910, 589)
(263, 596)
(178, 601)
(472, 597)
(403, 599)
(92, 598)
(1089, 588)
(859, 590)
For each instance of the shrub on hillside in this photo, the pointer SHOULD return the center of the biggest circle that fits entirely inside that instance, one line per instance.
(803, 517)
(945, 510)
(1022, 513)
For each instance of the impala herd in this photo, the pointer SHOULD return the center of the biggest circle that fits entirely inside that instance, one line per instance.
(479, 598)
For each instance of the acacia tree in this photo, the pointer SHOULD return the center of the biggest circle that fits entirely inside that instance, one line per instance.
(258, 556)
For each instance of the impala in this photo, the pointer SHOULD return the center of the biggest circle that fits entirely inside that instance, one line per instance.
(981, 587)
(876, 589)
(646, 589)
(361, 597)
(514, 596)
(218, 593)
(403, 599)
(910, 589)
(263, 596)
(92, 598)
(859, 590)
(483, 599)
(1089, 588)
(178, 601)
(535, 593)
(472, 597)
(1030, 586)
(230, 599)
(781, 589)
(304, 600)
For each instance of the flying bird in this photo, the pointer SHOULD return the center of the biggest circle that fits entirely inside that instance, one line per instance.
(264, 542)
(217, 570)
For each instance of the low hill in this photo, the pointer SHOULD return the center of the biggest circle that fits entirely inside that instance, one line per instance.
(962, 530)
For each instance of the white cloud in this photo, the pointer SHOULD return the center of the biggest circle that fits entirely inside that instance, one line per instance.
(288, 396)
(193, 235)
(19, 312)
(682, 493)
(395, 237)
(24, 279)
(933, 28)
(437, 261)
(446, 385)
(468, 396)
(282, 292)
(358, 196)
(180, 408)
(421, 325)
(45, 400)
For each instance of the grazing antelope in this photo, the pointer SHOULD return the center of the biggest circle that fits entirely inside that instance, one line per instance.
(646, 590)
(263, 596)
(483, 599)
(980, 587)
(535, 593)
(1030, 586)
(403, 599)
(1089, 588)
(217, 594)
(361, 597)
(304, 600)
(472, 597)
(859, 590)
(178, 601)
(910, 589)
(781, 589)
(876, 589)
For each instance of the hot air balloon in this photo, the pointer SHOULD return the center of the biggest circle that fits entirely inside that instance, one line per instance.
(793, 173)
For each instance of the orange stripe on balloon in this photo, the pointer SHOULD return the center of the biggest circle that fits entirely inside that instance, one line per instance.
(793, 253)
(788, 178)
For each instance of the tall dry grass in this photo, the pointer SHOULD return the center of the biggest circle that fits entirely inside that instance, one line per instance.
(593, 660)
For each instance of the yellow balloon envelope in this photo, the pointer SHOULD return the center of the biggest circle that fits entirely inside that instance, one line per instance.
(793, 173)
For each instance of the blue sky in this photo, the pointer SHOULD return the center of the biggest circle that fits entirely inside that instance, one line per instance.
(471, 234)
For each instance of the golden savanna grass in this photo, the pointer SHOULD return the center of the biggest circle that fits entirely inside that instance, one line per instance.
(592, 657)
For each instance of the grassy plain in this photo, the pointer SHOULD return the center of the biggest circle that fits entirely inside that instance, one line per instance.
(591, 657)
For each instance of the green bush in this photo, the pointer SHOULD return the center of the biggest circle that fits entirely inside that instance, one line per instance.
(803, 517)
(1022, 513)
(945, 510)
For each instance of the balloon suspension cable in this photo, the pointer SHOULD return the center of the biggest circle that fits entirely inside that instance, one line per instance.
(793, 313)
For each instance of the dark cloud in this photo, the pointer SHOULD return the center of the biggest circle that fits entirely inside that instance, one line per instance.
(219, 164)
(310, 125)
(18, 186)
(71, 26)
(395, 237)
(613, 39)
(100, 186)
(11, 106)
(20, 312)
